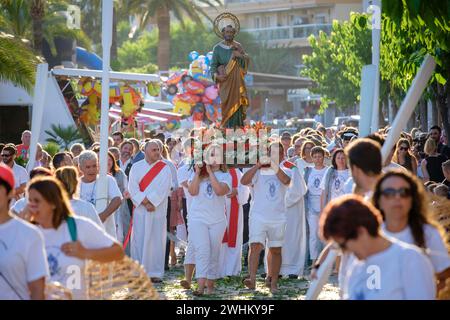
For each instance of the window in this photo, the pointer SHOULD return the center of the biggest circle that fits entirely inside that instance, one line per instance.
(257, 23)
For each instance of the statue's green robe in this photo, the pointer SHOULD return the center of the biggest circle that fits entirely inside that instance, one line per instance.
(233, 93)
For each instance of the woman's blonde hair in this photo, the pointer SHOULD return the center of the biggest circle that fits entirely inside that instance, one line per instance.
(68, 176)
(430, 146)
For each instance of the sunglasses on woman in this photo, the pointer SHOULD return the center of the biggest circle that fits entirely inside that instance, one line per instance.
(404, 148)
(391, 192)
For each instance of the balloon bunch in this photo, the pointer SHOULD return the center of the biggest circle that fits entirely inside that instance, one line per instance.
(129, 99)
(193, 93)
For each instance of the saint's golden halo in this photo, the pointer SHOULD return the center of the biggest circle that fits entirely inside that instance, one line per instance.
(224, 19)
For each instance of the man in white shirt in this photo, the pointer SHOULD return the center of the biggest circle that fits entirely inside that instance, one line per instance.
(149, 187)
(88, 164)
(8, 154)
(126, 152)
(267, 220)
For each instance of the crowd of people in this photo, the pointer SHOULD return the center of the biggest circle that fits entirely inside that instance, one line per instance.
(318, 190)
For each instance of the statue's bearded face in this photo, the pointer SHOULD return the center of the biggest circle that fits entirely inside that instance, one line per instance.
(228, 34)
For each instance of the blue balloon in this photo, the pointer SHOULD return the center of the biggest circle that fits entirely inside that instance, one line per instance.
(170, 98)
(207, 61)
(209, 55)
(193, 55)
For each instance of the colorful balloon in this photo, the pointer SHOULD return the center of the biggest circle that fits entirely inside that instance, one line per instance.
(193, 55)
(194, 87)
(212, 92)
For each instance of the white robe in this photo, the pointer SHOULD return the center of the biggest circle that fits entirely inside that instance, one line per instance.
(230, 260)
(148, 237)
(293, 251)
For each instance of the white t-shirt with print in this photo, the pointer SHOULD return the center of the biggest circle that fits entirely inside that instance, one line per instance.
(436, 249)
(207, 206)
(22, 258)
(85, 209)
(268, 196)
(69, 271)
(88, 192)
(314, 190)
(400, 272)
(337, 182)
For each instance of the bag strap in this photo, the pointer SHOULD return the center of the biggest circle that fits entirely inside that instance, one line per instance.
(72, 228)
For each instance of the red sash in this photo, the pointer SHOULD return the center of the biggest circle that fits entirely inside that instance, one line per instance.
(231, 234)
(145, 182)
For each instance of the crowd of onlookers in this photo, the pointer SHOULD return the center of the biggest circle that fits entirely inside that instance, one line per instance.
(321, 189)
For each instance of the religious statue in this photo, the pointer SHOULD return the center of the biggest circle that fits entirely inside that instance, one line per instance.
(228, 67)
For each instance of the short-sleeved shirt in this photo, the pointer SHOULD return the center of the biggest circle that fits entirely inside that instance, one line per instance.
(22, 258)
(207, 206)
(268, 196)
(400, 272)
(436, 248)
(65, 269)
(23, 151)
(88, 192)
(337, 181)
(87, 210)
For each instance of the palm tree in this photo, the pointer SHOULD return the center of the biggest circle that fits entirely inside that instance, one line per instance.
(38, 21)
(17, 62)
(37, 12)
(160, 9)
(63, 136)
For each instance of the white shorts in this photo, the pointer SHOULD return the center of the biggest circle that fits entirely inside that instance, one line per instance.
(272, 232)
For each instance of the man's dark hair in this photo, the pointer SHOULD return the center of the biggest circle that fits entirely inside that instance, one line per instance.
(57, 159)
(40, 171)
(160, 137)
(10, 148)
(318, 149)
(436, 127)
(126, 142)
(376, 137)
(366, 155)
(118, 133)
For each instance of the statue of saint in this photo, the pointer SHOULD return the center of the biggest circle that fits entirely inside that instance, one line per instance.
(228, 67)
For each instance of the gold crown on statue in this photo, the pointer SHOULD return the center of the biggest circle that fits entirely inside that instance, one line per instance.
(223, 20)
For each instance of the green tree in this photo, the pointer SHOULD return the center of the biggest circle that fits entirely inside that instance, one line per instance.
(37, 20)
(133, 54)
(160, 11)
(17, 62)
(63, 136)
(337, 59)
(421, 27)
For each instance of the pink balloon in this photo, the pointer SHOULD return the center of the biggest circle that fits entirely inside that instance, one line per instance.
(211, 92)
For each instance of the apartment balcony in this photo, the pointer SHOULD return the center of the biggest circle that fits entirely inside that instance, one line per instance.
(289, 33)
